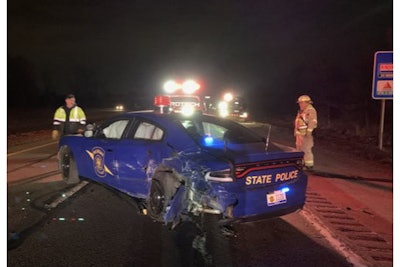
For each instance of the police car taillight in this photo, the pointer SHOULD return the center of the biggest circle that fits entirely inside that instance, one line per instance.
(219, 176)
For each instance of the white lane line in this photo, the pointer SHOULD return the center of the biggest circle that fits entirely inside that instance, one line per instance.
(66, 195)
(31, 148)
(345, 251)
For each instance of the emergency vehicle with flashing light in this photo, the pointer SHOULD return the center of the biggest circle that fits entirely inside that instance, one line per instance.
(182, 166)
(183, 97)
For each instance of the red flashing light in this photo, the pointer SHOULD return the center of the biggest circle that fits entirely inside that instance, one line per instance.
(187, 87)
(162, 101)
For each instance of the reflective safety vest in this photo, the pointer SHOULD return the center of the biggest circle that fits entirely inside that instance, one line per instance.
(69, 121)
(306, 120)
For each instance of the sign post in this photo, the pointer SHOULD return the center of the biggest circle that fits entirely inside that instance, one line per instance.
(382, 84)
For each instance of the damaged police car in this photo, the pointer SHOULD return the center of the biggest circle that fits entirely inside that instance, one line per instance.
(182, 166)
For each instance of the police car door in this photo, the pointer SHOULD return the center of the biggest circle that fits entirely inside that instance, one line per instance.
(103, 150)
(138, 156)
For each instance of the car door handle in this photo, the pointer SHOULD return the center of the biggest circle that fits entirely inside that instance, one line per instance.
(109, 150)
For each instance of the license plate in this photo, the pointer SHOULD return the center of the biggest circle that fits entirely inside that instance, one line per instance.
(276, 198)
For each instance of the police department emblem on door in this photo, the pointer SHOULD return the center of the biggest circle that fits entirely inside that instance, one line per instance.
(97, 155)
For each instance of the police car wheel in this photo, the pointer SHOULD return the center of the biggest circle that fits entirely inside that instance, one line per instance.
(69, 171)
(156, 202)
(162, 189)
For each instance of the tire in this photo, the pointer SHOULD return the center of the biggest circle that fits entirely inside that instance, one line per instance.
(67, 165)
(163, 187)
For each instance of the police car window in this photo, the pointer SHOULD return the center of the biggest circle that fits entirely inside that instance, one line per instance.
(229, 131)
(149, 131)
(191, 128)
(115, 129)
(214, 130)
(158, 134)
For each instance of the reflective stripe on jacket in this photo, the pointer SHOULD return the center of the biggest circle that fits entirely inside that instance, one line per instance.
(71, 124)
(306, 120)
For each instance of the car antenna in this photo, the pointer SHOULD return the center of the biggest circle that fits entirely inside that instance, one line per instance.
(268, 135)
(225, 141)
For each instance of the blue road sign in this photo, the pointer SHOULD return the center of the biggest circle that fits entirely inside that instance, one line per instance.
(382, 83)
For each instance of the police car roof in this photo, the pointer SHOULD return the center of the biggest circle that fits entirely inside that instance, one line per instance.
(154, 114)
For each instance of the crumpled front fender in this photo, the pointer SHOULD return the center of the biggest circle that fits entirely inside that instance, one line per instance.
(177, 206)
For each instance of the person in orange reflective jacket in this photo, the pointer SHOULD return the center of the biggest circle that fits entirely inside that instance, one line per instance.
(68, 119)
(304, 125)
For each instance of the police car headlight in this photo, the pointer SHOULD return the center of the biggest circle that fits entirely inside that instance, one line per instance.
(219, 176)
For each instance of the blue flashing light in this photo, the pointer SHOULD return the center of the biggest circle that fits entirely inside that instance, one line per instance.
(285, 189)
(208, 140)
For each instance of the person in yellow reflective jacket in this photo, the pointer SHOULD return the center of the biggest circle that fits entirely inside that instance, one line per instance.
(304, 125)
(68, 119)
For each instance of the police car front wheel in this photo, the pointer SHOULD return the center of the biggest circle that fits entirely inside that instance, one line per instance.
(162, 190)
(67, 165)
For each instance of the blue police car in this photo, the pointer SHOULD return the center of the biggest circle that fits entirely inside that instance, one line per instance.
(182, 166)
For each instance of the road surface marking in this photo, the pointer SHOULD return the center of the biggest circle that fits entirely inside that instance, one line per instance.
(31, 148)
(66, 195)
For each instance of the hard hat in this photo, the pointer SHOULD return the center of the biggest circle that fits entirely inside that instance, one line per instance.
(304, 98)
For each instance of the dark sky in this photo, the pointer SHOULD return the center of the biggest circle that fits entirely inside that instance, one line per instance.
(272, 49)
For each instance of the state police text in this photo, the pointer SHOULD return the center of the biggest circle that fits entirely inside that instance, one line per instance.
(268, 178)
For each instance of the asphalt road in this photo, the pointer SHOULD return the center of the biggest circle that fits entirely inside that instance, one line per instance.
(100, 227)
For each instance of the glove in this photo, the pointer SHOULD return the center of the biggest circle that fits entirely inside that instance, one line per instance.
(55, 135)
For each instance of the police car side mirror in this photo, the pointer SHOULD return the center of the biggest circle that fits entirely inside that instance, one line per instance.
(89, 130)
